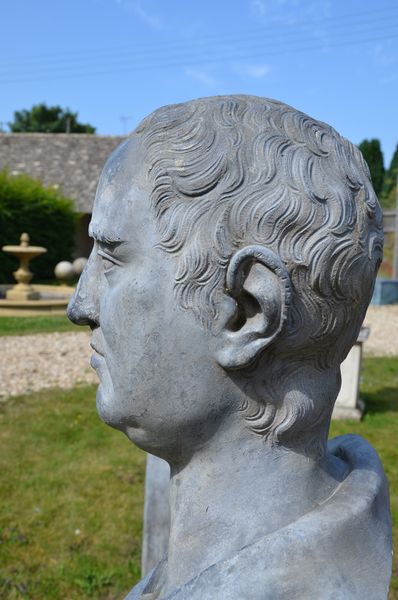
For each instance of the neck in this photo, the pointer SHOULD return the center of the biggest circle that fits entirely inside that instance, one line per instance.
(234, 491)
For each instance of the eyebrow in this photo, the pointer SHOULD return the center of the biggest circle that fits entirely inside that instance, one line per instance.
(105, 237)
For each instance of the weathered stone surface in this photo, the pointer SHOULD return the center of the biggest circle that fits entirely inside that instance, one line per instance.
(156, 531)
(236, 245)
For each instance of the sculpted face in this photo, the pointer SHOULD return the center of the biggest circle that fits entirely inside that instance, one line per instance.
(246, 241)
(157, 381)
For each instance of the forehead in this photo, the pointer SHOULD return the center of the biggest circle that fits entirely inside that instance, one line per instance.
(124, 163)
(120, 193)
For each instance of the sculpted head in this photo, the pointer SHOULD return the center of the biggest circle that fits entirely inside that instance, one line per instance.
(236, 245)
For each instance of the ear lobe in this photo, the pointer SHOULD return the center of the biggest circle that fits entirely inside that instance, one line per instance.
(259, 284)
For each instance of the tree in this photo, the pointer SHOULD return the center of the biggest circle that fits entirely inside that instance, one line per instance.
(48, 119)
(373, 155)
(389, 192)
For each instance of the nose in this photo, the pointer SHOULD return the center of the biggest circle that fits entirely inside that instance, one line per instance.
(83, 308)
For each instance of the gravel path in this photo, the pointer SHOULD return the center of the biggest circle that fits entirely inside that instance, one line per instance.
(33, 362)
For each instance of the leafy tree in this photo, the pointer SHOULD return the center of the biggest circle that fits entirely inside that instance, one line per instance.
(373, 155)
(389, 192)
(48, 119)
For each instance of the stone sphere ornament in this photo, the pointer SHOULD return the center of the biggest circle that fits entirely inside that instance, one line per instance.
(64, 271)
(78, 265)
(236, 245)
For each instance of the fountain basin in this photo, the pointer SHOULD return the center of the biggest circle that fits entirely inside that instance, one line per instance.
(49, 300)
(25, 299)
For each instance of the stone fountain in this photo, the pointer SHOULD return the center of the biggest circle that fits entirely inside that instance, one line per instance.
(25, 253)
(24, 298)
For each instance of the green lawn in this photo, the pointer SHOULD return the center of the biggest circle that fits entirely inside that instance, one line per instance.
(379, 426)
(71, 490)
(72, 495)
(40, 324)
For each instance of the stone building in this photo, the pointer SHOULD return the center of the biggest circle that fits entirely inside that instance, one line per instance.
(70, 162)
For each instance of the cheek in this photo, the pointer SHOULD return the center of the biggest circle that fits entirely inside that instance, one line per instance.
(132, 322)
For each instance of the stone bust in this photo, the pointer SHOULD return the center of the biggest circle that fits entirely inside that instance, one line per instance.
(236, 243)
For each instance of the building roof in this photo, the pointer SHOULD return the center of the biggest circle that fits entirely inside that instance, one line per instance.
(71, 162)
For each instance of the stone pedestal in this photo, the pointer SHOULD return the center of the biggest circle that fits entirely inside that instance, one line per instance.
(22, 292)
(156, 513)
(348, 404)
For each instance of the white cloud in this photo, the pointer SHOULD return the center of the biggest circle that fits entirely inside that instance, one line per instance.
(289, 12)
(136, 7)
(202, 76)
(258, 7)
(383, 55)
(257, 71)
(387, 80)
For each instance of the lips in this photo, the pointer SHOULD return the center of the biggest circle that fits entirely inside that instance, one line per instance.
(97, 341)
(96, 360)
(96, 349)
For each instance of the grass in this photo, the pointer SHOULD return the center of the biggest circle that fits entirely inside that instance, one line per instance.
(71, 490)
(379, 389)
(72, 496)
(31, 325)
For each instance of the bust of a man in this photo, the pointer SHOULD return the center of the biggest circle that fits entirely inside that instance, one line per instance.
(236, 243)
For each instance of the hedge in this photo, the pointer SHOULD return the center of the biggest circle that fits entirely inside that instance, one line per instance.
(46, 215)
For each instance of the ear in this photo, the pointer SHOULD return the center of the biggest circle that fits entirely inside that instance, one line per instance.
(254, 307)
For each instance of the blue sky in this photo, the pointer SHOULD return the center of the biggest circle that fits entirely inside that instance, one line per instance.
(114, 61)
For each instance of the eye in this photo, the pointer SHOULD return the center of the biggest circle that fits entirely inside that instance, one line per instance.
(108, 259)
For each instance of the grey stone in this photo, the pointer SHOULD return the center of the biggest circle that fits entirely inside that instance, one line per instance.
(71, 163)
(236, 245)
(348, 404)
(156, 530)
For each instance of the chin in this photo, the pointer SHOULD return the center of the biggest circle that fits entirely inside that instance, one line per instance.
(144, 435)
(113, 412)
(107, 410)
(139, 437)
(149, 442)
